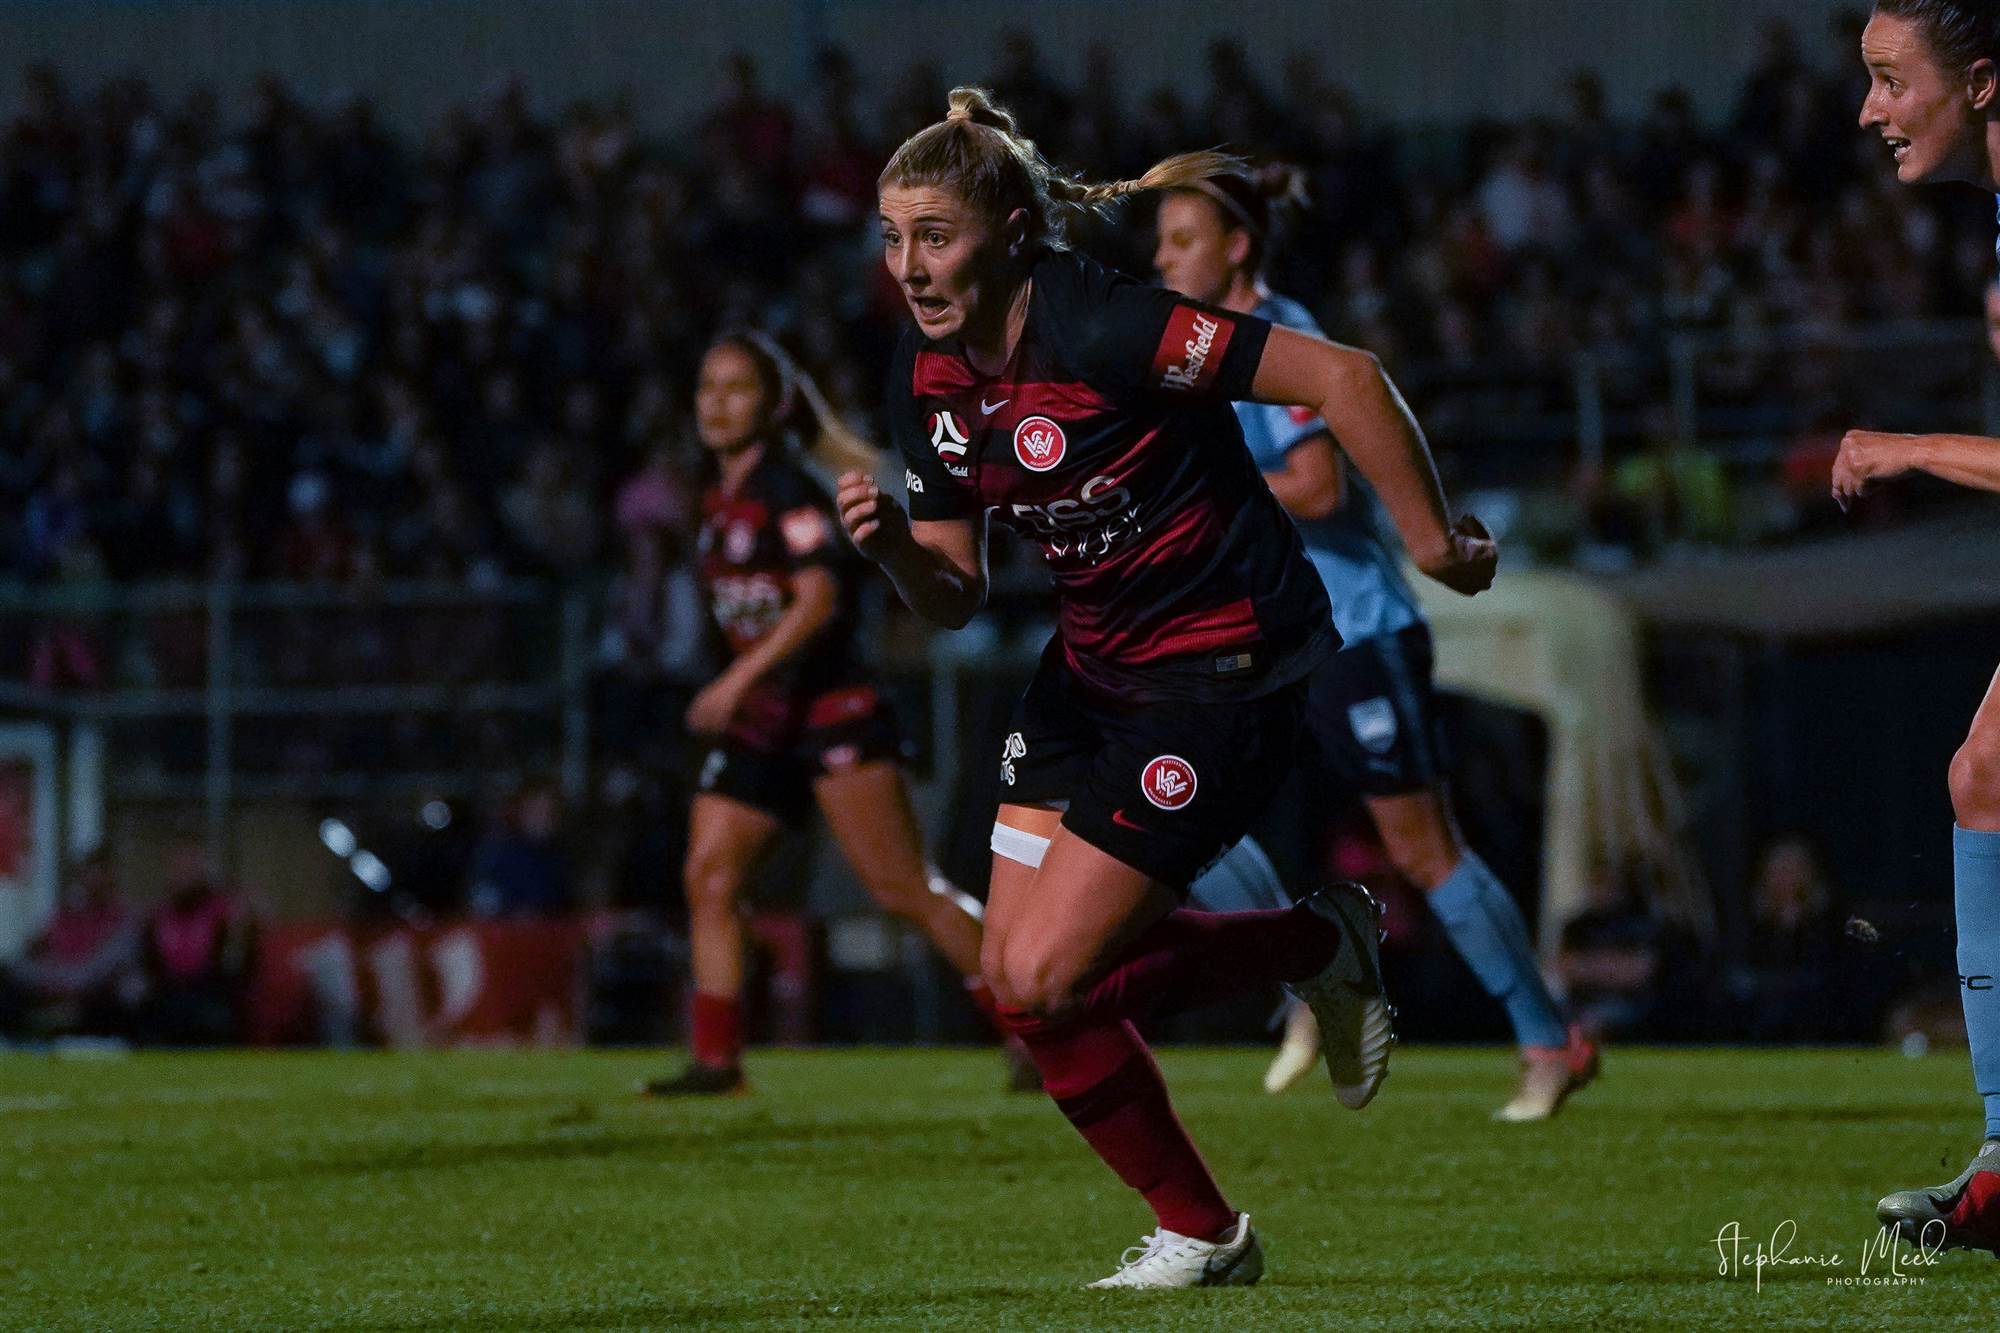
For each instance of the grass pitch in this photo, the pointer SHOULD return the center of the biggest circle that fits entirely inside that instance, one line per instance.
(904, 1189)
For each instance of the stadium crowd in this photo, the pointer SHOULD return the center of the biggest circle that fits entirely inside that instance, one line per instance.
(285, 341)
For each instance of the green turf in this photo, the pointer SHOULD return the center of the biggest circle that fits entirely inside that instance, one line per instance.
(902, 1189)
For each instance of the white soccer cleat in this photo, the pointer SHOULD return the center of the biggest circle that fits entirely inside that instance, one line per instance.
(1346, 998)
(1168, 1259)
(1297, 1053)
(1549, 1074)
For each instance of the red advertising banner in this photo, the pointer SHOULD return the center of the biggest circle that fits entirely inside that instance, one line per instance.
(448, 984)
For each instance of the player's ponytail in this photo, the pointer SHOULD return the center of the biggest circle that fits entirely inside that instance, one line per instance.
(1259, 200)
(978, 152)
(796, 410)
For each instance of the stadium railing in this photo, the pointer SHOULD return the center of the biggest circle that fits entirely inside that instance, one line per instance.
(215, 693)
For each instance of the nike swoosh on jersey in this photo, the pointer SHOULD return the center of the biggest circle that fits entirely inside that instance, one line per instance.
(989, 411)
(1118, 818)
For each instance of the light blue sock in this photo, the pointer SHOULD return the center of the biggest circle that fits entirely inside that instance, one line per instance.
(1242, 879)
(1485, 926)
(1975, 873)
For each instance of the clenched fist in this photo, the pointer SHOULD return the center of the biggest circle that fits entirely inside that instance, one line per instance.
(875, 522)
(1869, 455)
(1468, 562)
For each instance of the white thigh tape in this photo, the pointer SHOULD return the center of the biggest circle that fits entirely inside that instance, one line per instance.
(1015, 845)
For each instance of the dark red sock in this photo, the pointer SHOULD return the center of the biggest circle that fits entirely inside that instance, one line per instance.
(718, 1029)
(1188, 959)
(1104, 1081)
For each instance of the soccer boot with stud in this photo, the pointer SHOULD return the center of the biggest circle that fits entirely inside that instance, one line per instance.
(1298, 1051)
(701, 1080)
(1355, 1021)
(1167, 1259)
(1549, 1074)
(1962, 1214)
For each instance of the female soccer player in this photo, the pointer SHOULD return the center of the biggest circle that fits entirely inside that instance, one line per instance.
(797, 719)
(1934, 97)
(1370, 716)
(1091, 412)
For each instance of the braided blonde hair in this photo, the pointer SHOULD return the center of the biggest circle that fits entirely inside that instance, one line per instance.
(978, 153)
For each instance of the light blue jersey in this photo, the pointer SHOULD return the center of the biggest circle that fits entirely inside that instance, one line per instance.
(1354, 548)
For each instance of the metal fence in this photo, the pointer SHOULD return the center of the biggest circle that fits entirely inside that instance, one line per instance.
(1748, 394)
(220, 692)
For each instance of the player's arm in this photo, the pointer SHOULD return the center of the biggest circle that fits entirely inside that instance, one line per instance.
(1872, 455)
(937, 565)
(1309, 485)
(815, 597)
(1350, 391)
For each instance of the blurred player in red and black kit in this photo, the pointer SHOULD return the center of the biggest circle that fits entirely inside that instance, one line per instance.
(1091, 413)
(1371, 716)
(797, 719)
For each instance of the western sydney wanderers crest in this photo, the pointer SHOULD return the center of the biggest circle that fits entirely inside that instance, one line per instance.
(1168, 781)
(1039, 444)
(948, 437)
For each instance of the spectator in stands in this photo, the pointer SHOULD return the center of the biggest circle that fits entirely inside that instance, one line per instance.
(1789, 988)
(71, 977)
(1624, 970)
(521, 867)
(197, 951)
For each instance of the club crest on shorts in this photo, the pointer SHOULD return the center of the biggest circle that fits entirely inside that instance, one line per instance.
(1039, 444)
(1373, 722)
(1168, 781)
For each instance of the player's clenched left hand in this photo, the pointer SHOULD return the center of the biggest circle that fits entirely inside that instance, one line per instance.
(874, 521)
(1469, 561)
(1865, 456)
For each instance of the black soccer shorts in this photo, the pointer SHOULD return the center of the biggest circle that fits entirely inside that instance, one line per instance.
(1371, 714)
(1163, 787)
(772, 768)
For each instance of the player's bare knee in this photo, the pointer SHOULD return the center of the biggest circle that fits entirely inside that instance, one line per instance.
(710, 884)
(1043, 979)
(1975, 781)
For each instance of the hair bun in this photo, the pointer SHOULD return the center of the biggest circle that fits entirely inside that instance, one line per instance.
(1281, 183)
(977, 106)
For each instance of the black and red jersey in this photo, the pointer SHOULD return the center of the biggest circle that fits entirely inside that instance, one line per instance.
(754, 541)
(1108, 440)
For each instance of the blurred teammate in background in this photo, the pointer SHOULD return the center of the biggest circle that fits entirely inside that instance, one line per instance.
(797, 720)
(1371, 719)
(1091, 414)
(1934, 98)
